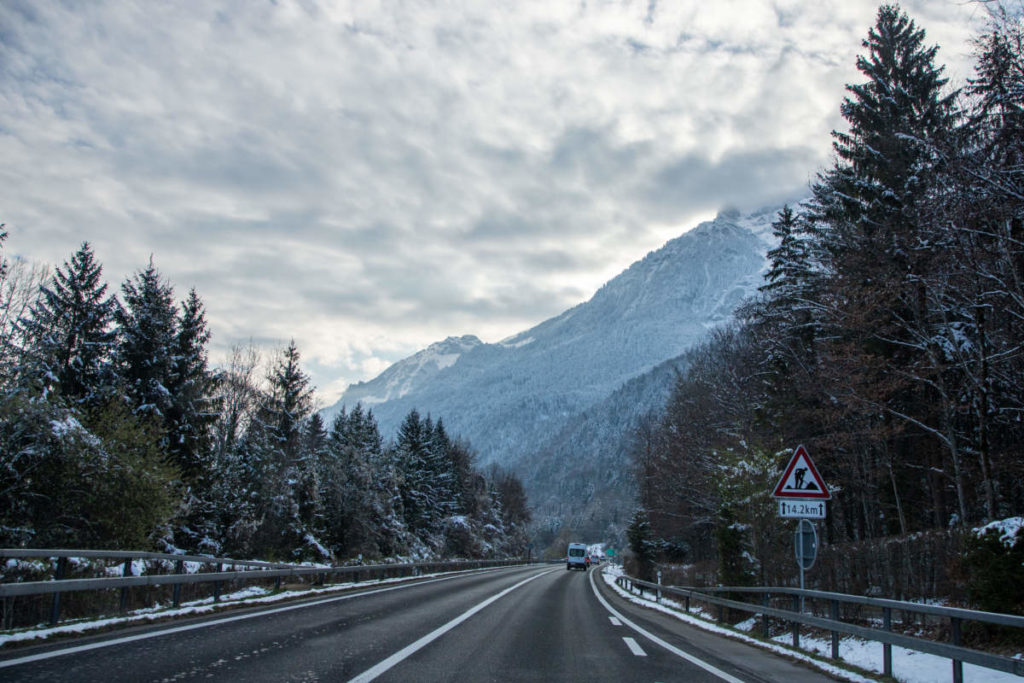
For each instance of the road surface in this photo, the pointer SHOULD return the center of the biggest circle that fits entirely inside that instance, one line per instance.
(536, 623)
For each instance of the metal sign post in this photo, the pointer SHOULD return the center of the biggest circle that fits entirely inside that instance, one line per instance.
(805, 543)
(801, 494)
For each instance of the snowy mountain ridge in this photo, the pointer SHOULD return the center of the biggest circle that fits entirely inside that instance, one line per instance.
(511, 397)
(408, 374)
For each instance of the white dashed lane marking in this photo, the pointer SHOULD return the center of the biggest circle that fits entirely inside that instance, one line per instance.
(634, 647)
(615, 622)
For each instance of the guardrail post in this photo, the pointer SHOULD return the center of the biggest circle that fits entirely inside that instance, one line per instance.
(125, 571)
(216, 584)
(62, 568)
(796, 624)
(835, 634)
(179, 568)
(765, 626)
(887, 647)
(687, 602)
(955, 636)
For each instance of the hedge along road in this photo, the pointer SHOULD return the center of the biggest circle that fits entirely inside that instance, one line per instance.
(521, 623)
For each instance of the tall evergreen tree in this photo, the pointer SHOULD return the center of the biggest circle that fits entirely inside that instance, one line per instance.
(310, 472)
(193, 407)
(869, 215)
(274, 446)
(446, 479)
(884, 160)
(412, 458)
(146, 341)
(867, 210)
(998, 89)
(70, 327)
(291, 399)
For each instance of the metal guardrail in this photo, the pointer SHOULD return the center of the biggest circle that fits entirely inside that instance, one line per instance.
(953, 650)
(259, 571)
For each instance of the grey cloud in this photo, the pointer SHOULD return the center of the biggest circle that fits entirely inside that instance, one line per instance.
(744, 179)
(359, 175)
(595, 156)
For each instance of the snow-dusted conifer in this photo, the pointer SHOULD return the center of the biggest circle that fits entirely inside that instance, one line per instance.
(193, 406)
(146, 322)
(412, 457)
(291, 399)
(70, 328)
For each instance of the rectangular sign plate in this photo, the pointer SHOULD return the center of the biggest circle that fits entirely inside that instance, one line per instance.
(802, 509)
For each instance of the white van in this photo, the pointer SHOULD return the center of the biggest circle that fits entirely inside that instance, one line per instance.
(576, 558)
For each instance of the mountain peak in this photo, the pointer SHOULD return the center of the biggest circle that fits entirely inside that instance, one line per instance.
(459, 344)
(509, 396)
(408, 375)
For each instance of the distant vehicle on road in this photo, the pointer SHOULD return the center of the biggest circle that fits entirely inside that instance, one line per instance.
(595, 558)
(577, 557)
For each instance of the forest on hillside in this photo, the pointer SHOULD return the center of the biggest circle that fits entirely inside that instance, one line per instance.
(887, 339)
(117, 433)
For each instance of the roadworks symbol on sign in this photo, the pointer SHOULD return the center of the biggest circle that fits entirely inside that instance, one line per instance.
(801, 479)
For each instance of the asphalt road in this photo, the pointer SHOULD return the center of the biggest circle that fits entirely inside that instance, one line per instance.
(539, 623)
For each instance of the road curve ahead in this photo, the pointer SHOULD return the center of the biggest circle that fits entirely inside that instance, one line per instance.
(538, 623)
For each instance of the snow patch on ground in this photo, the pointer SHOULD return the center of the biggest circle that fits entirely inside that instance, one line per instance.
(446, 360)
(509, 344)
(908, 666)
(251, 595)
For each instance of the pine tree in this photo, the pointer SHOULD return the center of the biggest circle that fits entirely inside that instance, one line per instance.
(70, 328)
(412, 458)
(193, 407)
(867, 210)
(272, 451)
(390, 533)
(446, 479)
(733, 565)
(310, 472)
(350, 503)
(291, 400)
(146, 341)
(870, 218)
(884, 160)
(641, 539)
(998, 88)
(786, 314)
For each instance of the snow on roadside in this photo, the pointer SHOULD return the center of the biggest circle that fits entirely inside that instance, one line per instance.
(908, 666)
(251, 595)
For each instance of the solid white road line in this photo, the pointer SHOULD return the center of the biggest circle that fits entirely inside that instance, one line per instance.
(711, 669)
(409, 650)
(206, 624)
(615, 622)
(634, 647)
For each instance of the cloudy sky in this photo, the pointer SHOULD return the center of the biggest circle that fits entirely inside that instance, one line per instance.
(369, 177)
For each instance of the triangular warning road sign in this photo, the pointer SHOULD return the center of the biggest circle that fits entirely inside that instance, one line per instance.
(801, 479)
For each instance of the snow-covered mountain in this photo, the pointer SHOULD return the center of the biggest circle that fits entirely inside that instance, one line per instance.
(513, 397)
(409, 375)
